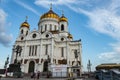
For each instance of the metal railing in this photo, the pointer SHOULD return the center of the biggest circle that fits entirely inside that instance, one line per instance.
(108, 75)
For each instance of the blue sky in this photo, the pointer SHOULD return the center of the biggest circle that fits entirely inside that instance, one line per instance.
(96, 22)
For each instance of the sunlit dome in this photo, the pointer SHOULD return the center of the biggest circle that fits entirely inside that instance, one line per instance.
(63, 18)
(50, 14)
(25, 24)
(70, 36)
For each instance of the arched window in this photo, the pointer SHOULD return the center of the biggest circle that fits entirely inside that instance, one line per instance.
(55, 27)
(26, 33)
(62, 51)
(45, 27)
(22, 38)
(50, 27)
(62, 39)
(30, 51)
(22, 31)
(62, 27)
(41, 28)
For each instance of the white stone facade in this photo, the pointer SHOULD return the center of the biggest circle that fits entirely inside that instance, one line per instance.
(51, 39)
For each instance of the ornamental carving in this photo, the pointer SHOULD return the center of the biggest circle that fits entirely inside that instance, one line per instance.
(37, 60)
(64, 61)
(78, 62)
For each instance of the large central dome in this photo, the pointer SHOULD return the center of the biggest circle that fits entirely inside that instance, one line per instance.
(50, 14)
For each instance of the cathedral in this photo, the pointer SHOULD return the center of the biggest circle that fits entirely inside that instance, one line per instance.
(51, 44)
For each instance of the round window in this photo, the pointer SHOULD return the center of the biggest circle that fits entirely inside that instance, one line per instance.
(47, 35)
(34, 35)
(62, 39)
(22, 38)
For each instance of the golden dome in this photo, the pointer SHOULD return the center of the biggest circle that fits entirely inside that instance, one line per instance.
(50, 14)
(63, 18)
(70, 36)
(25, 24)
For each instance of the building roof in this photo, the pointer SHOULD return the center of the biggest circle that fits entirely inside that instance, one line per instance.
(108, 66)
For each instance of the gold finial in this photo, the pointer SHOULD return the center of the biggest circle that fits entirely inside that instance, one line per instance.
(51, 6)
(26, 19)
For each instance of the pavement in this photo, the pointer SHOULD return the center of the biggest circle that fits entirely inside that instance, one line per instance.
(45, 79)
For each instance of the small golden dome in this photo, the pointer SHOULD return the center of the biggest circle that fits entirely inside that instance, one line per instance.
(70, 36)
(25, 24)
(50, 14)
(63, 18)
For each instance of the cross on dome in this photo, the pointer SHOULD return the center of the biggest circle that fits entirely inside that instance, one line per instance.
(26, 19)
(51, 6)
(62, 13)
(25, 24)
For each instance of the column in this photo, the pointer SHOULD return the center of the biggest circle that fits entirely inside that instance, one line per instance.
(67, 52)
(52, 50)
(13, 55)
(40, 51)
(24, 52)
(34, 50)
(23, 56)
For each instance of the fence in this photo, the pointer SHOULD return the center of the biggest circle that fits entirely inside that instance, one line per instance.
(53, 74)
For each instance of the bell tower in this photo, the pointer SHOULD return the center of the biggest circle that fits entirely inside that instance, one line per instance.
(63, 23)
(24, 28)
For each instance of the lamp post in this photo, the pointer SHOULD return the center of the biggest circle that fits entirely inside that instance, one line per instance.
(89, 66)
(18, 50)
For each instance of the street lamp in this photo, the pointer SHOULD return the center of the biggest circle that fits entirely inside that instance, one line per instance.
(18, 50)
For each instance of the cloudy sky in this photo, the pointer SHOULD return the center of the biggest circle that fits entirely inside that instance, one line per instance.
(96, 22)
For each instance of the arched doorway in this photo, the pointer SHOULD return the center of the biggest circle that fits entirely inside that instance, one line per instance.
(31, 66)
(45, 66)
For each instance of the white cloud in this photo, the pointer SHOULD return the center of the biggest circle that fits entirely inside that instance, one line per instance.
(104, 21)
(110, 57)
(46, 3)
(2, 19)
(26, 6)
(113, 56)
(5, 39)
